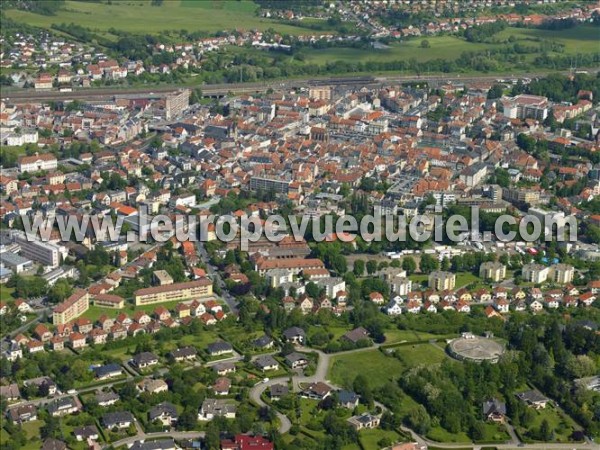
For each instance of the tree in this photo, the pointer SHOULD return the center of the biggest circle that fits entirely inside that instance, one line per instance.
(495, 91)
(428, 263)
(371, 267)
(418, 419)
(546, 433)
(359, 267)
(425, 44)
(409, 264)
(60, 291)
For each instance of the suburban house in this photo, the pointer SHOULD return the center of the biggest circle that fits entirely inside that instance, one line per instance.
(364, 421)
(277, 391)
(164, 412)
(317, 391)
(295, 335)
(119, 420)
(144, 359)
(533, 398)
(266, 362)
(212, 408)
(296, 360)
(108, 371)
(494, 410)
(219, 348)
(348, 399)
(184, 354)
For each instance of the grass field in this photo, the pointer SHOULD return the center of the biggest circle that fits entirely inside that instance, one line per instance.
(379, 368)
(440, 435)
(370, 438)
(6, 293)
(582, 39)
(561, 424)
(139, 17)
(420, 354)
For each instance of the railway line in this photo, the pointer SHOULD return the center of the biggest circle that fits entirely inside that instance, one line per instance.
(219, 90)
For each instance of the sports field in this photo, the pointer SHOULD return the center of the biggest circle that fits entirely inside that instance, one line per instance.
(139, 17)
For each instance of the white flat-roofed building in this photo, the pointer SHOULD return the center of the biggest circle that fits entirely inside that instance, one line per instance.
(526, 107)
(45, 253)
(15, 262)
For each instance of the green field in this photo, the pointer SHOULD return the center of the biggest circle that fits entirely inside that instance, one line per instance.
(582, 39)
(440, 435)
(370, 438)
(561, 424)
(419, 354)
(378, 368)
(6, 293)
(139, 17)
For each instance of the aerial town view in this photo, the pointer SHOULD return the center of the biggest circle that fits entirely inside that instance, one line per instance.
(300, 224)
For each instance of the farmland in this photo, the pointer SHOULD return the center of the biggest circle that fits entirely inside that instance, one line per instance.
(190, 15)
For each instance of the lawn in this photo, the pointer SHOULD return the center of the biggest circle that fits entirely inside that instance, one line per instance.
(420, 354)
(397, 336)
(440, 435)
(581, 39)
(370, 438)
(560, 423)
(138, 17)
(6, 293)
(495, 433)
(32, 431)
(393, 336)
(378, 368)
(464, 278)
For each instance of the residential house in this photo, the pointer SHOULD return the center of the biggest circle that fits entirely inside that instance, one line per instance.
(212, 408)
(165, 413)
(118, 420)
(144, 360)
(364, 421)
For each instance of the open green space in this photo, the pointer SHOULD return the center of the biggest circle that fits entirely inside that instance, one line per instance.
(139, 17)
(439, 434)
(371, 438)
(494, 433)
(6, 293)
(581, 39)
(377, 367)
(561, 424)
(419, 354)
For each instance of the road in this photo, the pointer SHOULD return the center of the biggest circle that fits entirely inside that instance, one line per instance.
(297, 380)
(39, 314)
(214, 275)
(320, 374)
(145, 436)
(28, 95)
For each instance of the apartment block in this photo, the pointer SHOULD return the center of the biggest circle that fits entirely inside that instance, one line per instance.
(71, 308)
(174, 292)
